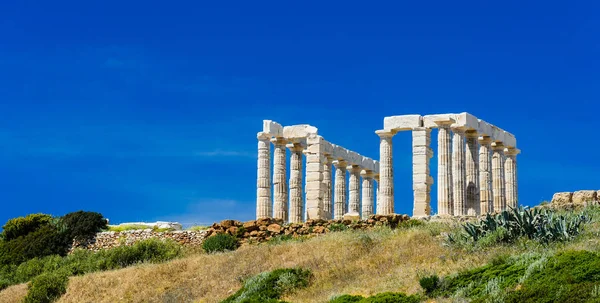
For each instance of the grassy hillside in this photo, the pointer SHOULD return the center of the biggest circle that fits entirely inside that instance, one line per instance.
(349, 262)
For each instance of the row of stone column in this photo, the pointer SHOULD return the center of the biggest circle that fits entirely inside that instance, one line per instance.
(336, 203)
(475, 175)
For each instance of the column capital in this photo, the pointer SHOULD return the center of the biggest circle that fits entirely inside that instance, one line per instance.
(444, 122)
(497, 146)
(471, 133)
(328, 159)
(262, 136)
(367, 174)
(385, 133)
(354, 168)
(459, 129)
(340, 163)
(512, 151)
(279, 141)
(484, 140)
(295, 147)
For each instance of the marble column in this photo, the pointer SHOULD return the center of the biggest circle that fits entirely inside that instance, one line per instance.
(498, 183)
(472, 173)
(422, 181)
(385, 202)
(444, 187)
(263, 180)
(459, 187)
(296, 200)
(328, 194)
(280, 188)
(354, 199)
(486, 197)
(368, 197)
(377, 210)
(510, 175)
(315, 188)
(340, 189)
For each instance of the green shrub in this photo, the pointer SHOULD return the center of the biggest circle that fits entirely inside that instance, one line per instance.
(270, 286)
(220, 243)
(544, 226)
(429, 283)
(22, 226)
(338, 227)
(45, 241)
(411, 223)
(47, 287)
(198, 227)
(83, 225)
(347, 299)
(386, 297)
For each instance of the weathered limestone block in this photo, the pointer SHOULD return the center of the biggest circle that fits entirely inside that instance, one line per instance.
(403, 122)
(422, 181)
(315, 189)
(299, 131)
(352, 216)
(584, 196)
(562, 198)
(272, 128)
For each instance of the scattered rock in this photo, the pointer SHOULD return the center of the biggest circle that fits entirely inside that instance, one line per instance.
(562, 198)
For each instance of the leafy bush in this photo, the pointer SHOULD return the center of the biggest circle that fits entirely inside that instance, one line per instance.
(45, 241)
(270, 286)
(429, 283)
(386, 297)
(47, 287)
(509, 225)
(338, 227)
(199, 227)
(22, 226)
(220, 243)
(83, 225)
(411, 223)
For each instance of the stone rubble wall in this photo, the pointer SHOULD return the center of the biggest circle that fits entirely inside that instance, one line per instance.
(578, 197)
(264, 229)
(254, 231)
(111, 239)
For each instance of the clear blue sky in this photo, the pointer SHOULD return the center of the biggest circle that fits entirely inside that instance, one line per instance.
(147, 110)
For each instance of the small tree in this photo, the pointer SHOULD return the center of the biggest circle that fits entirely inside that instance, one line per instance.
(82, 225)
(21, 226)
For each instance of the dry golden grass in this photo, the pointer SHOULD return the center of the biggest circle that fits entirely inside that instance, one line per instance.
(14, 294)
(363, 263)
(346, 262)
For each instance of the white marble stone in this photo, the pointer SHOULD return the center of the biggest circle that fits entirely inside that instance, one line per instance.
(403, 122)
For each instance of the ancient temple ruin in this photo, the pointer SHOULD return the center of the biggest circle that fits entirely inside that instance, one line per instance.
(477, 170)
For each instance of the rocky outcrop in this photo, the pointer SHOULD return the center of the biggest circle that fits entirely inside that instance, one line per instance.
(578, 197)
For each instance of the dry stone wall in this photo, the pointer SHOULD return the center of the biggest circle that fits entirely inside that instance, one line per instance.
(264, 229)
(111, 239)
(254, 231)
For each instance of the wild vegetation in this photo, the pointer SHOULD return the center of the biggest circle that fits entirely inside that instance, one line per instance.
(416, 262)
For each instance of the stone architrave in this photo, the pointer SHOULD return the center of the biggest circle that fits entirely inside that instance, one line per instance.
(510, 175)
(472, 173)
(385, 202)
(315, 188)
(296, 201)
(327, 182)
(445, 198)
(422, 181)
(368, 197)
(280, 188)
(340, 189)
(498, 183)
(486, 197)
(354, 192)
(263, 184)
